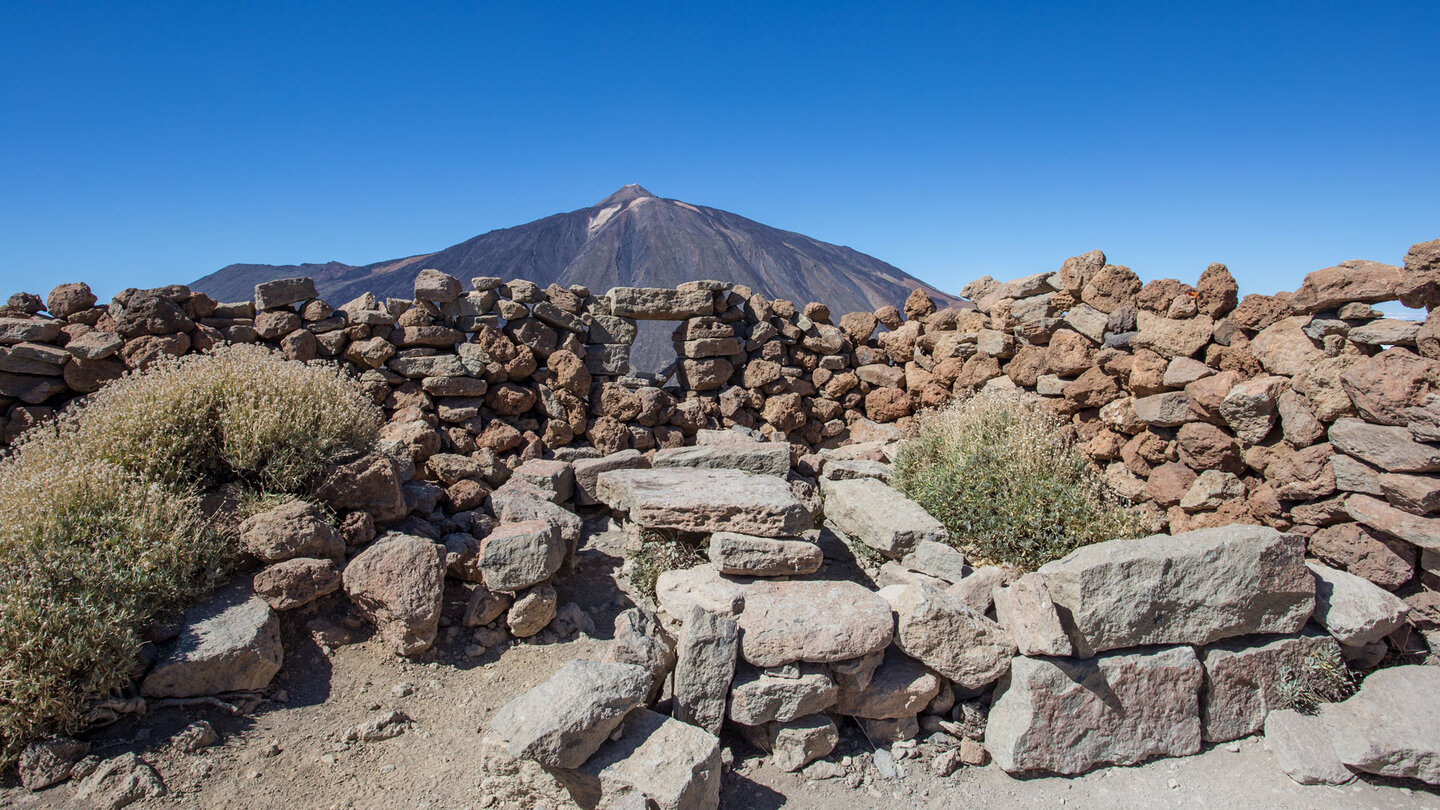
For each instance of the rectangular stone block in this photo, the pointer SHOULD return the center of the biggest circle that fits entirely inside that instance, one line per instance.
(657, 304)
(879, 516)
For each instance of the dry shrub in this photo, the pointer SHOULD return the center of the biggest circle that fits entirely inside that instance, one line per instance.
(1320, 677)
(660, 551)
(100, 519)
(1002, 472)
(242, 411)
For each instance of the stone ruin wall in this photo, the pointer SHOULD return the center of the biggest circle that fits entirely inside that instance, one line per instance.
(1307, 411)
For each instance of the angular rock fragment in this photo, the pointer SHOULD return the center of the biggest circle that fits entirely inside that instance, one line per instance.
(229, 644)
(879, 516)
(900, 687)
(398, 583)
(746, 555)
(563, 721)
(705, 654)
(1302, 748)
(814, 621)
(757, 698)
(656, 763)
(1353, 610)
(1391, 727)
(700, 500)
(942, 632)
(1027, 613)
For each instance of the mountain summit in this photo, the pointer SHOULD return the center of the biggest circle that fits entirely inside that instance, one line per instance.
(632, 238)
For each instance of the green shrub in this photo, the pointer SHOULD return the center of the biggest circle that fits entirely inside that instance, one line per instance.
(100, 519)
(660, 551)
(1002, 472)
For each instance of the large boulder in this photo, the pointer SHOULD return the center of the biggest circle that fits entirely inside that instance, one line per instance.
(657, 762)
(704, 500)
(815, 621)
(1243, 678)
(398, 583)
(229, 644)
(879, 516)
(1193, 588)
(563, 721)
(1391, 727)
(942, 632)
(1047, 712)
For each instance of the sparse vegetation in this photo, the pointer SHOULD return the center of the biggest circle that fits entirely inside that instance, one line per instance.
(100, 519)
(660, 551)
(1321, 677)
(1003, 474)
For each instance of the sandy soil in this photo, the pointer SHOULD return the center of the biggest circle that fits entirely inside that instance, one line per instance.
(291, 753)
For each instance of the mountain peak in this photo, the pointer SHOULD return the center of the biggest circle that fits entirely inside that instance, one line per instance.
(626, 194)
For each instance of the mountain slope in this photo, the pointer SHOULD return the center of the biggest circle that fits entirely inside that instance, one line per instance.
(631, 238)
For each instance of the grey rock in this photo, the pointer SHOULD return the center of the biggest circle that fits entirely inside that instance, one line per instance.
(587, 470)
(48, 762)
(799, 742)
(879, 516)
(517, 555)
(757, 698)
(1193, 588)
(650, 303)
(704, 666)
(641, 640)
(657, 763)
(1355, 611)
(939, 560)
(1027, 613)
(700, 500)
(119, 782)
(814, 621)
(1302, 748)
(563, 721)
(761, 458)
(229, 644)
(283, 292)
(900, 687)
(941, 631)
(1392, 449)
(1243, 677)
(1391, 727)
(746, 555)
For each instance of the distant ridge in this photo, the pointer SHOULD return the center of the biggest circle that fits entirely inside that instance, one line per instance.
(631, 238)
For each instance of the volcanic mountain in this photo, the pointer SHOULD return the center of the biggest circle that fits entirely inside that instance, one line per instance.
(631, 238)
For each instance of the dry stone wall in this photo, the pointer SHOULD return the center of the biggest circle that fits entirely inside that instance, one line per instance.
(1307, 411)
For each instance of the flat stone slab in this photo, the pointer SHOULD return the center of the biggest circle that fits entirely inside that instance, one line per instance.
(563, 721)
(1192, 588)
(229, 644)
(879, 516)
(815, 621)
(1355, 611)
(747, 555)
(757, 698)
(761, 458)
(1379, 515)
(1067, 715)
(658, 762)
(1391, 727)
(702, 500)
(1302, 749)
(660, 304)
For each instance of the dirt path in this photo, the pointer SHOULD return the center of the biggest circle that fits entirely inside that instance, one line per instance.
(292, 753)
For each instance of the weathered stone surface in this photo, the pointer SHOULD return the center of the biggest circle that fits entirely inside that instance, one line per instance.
(1392, 449)
(1353, 610)
(1046, 711)
(1172, 338)
(119, 782)
(587, 470)
(1193, 588)
(1416, 494)
(1381, 516)
(1284, 349)
(761, 458)
(229, 644)
(532, 611)
(296, 582)
(703, 585)
(657, 763)
(1169, 409)
(1212, 490)
(1243, 676)
(1302, 748)
(562, 722)
(1250, 407)
(700, 500)
(746, 555)
(814, 621)
(1371, 555)
(283, 292)
(517, 555)
(879, 516)
(48, 762)
(757, 697)
(641, 640)
(398, 583)
(1027, 613)
(295, 529)
(941, 631)
(900, 687)
(1393, 387)
(370, 483)
(1355, 280)
(704, 666)
(1385, 332)
(797, 743)
(649, 303)
(1391, 727)
(938, 560)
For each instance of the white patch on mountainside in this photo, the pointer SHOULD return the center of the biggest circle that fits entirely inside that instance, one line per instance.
(598, 219)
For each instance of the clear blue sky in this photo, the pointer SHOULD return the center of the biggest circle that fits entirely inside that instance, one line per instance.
(147, 142)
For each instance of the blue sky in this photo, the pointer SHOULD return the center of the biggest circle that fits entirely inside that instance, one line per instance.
(146, 143)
